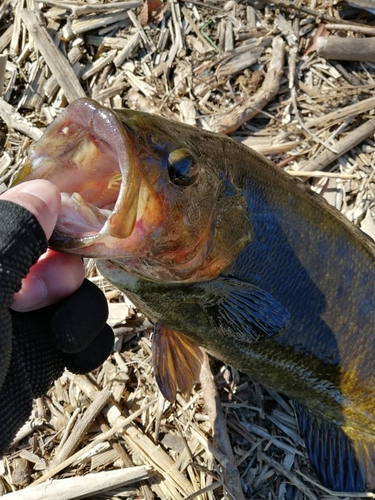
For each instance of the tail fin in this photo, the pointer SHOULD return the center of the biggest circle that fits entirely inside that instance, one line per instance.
(342, 463)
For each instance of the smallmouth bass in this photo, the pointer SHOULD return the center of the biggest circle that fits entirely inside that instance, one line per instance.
(221, 249)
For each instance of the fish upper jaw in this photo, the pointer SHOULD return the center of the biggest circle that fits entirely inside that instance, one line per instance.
(88, 154)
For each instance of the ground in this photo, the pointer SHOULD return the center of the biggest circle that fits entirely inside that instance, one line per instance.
(285, 78)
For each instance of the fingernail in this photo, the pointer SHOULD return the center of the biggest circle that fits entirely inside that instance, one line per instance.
(31, 296)
(45, 191)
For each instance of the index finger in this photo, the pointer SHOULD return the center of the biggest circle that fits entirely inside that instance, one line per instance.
(41, 198)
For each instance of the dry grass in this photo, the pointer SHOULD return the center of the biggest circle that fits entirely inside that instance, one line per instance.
(216, 65)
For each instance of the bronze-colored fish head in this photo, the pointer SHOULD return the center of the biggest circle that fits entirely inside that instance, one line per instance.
(141, 190)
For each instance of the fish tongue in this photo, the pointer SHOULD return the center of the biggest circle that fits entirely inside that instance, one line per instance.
(79, 217)
(91, 213)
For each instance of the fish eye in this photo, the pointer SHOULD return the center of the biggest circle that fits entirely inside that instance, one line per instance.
(182, 169)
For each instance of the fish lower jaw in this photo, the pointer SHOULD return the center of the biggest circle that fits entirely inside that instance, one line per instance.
(85, 229)
(78, 218)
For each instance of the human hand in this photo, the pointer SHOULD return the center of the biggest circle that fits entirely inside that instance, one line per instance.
(55, 275)
(65, 322)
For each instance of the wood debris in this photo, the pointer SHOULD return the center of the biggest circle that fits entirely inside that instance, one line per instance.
(266, 72)
(346, 49)
(82, 486)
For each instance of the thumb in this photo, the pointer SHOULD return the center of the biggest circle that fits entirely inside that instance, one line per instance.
(41, 198)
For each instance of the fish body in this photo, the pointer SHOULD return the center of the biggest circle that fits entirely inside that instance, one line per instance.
(222, 249)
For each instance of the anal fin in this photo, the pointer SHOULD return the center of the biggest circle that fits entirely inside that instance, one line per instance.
(177, 361)
(341, 462)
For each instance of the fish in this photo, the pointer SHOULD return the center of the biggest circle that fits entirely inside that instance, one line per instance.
(224, 251)
(368, 5)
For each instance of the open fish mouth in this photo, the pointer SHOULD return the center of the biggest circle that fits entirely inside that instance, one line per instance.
(89, 155)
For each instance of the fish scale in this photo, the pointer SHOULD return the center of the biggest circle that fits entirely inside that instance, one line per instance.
(231, 254)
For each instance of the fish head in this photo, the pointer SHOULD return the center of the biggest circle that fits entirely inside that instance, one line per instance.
(149, 194)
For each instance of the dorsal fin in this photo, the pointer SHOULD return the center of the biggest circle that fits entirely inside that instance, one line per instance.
(342, 463)
(177, 361)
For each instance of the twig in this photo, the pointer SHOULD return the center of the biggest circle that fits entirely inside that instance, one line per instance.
(292, 77)
(202, 4)
(95, 21)
(79, 9)
(14, 120)
(58, 64)
(310, 12)
(346, 49)
(267, 148)
(365, 30)
(336, 494)
(211, 487)
(69, 427)
(353, 80)
(207, 445)
(99, 439)
(3, 63)
(231, 475)
(289, 475)
(116, 445)
(230, 122)
(140, 30)
(318, 173)
(125, 52)
(341, 114)
(293, 91)
(195, 28)
(52, 85)
(98, 65)
(6, 37)
(77, 434)
(342, 146)
(28, 428)
(84, 486)
(140, 443)
(158, 417)
(176, 16)
(14, 43)
(325, 144)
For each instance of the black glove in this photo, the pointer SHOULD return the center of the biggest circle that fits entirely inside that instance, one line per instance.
(36, 346)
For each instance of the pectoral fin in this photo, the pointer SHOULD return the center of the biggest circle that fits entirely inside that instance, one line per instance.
(342, 462)
(177, 361)
(243, 310)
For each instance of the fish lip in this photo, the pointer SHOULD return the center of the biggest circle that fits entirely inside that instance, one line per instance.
(63, 241)
(117, 225)
(81, 120)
